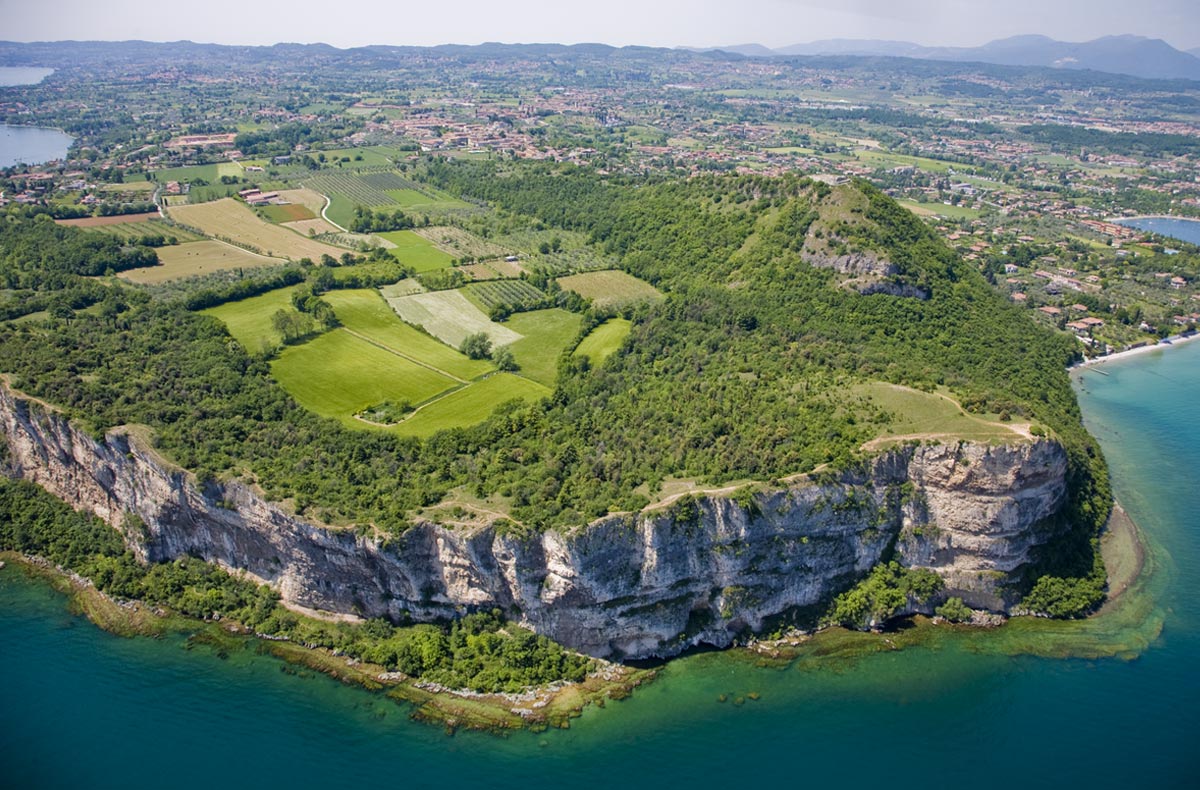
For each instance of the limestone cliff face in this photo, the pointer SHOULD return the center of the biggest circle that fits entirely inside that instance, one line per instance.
(698, 571)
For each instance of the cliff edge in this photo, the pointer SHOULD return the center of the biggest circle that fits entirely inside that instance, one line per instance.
(626, 586)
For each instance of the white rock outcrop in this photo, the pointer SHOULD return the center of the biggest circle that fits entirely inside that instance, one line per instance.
(651, 584)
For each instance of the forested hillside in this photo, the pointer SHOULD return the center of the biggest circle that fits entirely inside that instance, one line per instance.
(741, 372)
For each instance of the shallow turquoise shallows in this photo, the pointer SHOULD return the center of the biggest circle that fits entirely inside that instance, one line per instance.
(82, 708)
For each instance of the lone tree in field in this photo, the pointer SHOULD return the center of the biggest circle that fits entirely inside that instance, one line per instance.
(477, 346)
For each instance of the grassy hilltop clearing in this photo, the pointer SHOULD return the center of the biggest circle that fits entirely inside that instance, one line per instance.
(748, 328)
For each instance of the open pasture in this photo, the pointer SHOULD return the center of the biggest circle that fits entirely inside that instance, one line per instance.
(547, 333)
(448, 316)
(416, 251)
(249, 320)
(470, 405)
(340, 374)
(874, 158)
(610, 288)
(227, 218)
(929, 415)
(603, 341)
(364, 312)
(195, 258)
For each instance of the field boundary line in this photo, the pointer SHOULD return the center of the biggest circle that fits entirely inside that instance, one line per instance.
(402, 355)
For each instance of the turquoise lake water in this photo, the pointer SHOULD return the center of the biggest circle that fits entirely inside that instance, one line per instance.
(85, 709)
(1184, 229)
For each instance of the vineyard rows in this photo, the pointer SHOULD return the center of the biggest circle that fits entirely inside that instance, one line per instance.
(515, 293)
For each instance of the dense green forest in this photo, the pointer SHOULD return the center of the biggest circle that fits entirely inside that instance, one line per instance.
(740, 372)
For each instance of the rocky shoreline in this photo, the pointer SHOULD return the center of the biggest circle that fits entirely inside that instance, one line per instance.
(707, 570)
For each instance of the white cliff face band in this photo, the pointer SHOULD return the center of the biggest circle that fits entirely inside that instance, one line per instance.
(972, 513)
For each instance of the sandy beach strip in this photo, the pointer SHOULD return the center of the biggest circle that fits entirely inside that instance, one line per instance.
(1162, 345)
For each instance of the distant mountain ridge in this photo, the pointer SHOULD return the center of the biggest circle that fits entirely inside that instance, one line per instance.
(1134, 55)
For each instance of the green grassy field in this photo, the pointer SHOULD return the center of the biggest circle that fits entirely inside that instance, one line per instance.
(293, 212)
(470, 405)
(359, 157)
(193, 259)
(610, 288)
(249, 320)
(416, 251)
(448, 316)
(925, 414)
(339, 374)
(366, 312)
(604, 340)
(546, 334)
(210, 173)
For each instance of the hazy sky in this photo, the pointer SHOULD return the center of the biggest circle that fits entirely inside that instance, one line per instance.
(347, 23)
